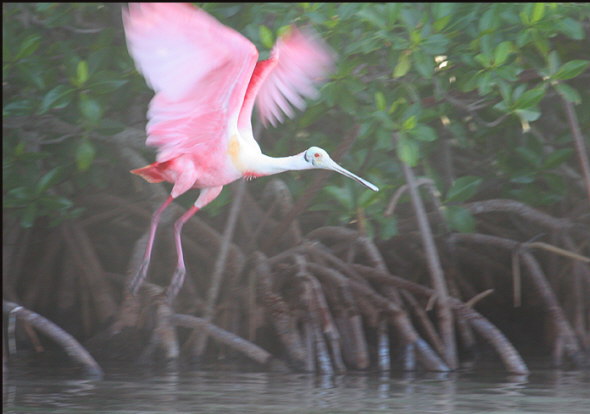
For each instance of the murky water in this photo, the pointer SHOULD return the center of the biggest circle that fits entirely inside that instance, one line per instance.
(27, 390)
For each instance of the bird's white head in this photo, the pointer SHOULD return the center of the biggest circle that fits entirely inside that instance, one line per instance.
(319, 158)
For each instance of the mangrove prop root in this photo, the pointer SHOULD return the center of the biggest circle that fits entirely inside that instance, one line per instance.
(235, 342)
(64, 339)
(436, 273)
(566, 334)
(487, 330)
(347, 317)
(280, 315)
(424, 321)
(397, 316)
(511, 358)
(524, 211)
(319, 312)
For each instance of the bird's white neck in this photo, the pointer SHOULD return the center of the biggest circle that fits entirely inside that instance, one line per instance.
(265, 165)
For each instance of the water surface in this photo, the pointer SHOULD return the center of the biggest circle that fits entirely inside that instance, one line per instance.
(125, 390)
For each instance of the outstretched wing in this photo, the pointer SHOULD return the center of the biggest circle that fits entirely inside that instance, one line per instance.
(199, 70)
(298, 61)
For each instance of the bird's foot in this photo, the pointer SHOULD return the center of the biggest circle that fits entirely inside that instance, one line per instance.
(176, 283)
(139, 277)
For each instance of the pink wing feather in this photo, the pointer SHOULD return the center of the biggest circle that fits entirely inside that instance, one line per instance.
(199, 70)
(298, 61)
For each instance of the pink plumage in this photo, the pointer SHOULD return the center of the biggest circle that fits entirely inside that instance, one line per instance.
(202, 71)
(207, 80)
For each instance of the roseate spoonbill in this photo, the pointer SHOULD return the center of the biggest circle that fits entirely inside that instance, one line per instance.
(206, 80)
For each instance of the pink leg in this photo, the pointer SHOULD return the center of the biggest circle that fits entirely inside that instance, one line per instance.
(178, 277)
(141, 274)
(207, 195)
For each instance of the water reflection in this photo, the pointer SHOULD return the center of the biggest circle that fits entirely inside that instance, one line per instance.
(136, 391)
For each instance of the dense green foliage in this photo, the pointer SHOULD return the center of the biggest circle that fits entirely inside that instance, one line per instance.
(469, 94)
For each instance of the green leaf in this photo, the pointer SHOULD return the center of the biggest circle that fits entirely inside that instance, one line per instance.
(541, 42)
(18, 108)
(485, 83)
(441, 22)
(266, 36)
(487, 43)
(518, 91)
(435, 44)
(392, 12)
(283, 30)
(459, 219)
(483, 60)
(408, 150)
(523, 178)
(557, 158)
(311, 115)
(571, 28)
(81, 73)
(443, 9)
(398, 103)
(84, 155)
(571, 69)
(366, 197)
(34, 70)
(529, 115)
(463, 189)
(403, 66)
(489, 21)
(19, 149)
(523, 38)
(370, 15)
(28, 46)
(424, 64)
(410, 123)
(380, 103)
(29, 215)
(537, 12)
(529, 99)
(384, 119)
(410, 17)
(508, 72)
(502, 52)
(424, 133)
(383, 138)
(342, 195)
(56, 203)
(502, 106)
(90, 108)
(57, 98)
(106, 86)
(569, 93)
(529, 155)
(505, 91)
(110, 126)
(21, 194)
(388, 228)
(50, 178)
(415, 38)
(553, 62)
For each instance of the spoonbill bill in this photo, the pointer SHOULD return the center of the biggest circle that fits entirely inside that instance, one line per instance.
(207, 78)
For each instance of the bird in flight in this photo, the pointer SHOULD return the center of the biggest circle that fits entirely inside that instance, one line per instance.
(207, 78)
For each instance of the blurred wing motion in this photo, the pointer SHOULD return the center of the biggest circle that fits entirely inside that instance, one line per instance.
(298, 60)
(207, 81)
(199, 69)
(205, 75)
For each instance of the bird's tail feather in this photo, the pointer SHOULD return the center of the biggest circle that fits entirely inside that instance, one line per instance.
(153, 173)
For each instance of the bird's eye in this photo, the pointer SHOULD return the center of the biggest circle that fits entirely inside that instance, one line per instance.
(317, 155)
